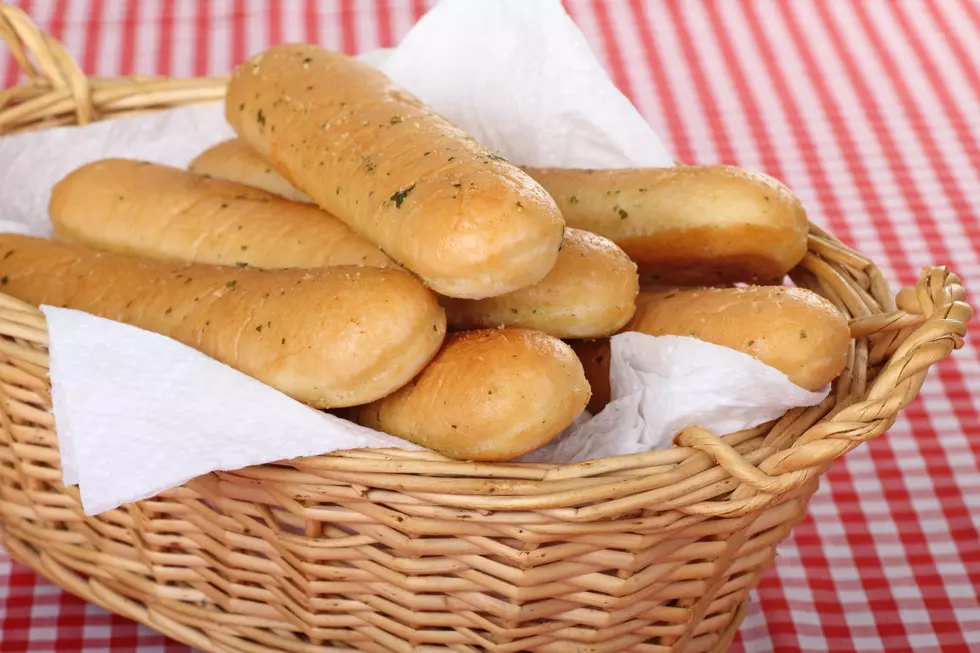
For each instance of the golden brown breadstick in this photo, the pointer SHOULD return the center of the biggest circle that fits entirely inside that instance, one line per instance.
(330, 337)
(791, 329)
(234, 160)
(469, 223)
(146, 209)
(687, 225)
(493, 394)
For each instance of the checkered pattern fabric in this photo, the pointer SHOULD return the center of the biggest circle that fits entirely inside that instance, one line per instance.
(867, 109)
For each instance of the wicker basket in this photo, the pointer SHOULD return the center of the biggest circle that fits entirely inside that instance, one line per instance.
(402, 551)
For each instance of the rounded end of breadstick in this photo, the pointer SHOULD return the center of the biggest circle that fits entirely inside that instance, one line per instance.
(589, 293)
(688, 225)
(465, 220)
(497, 232)
(376, 329)
(814, 338)
(791, 329)
(489, 395)
(735, 225)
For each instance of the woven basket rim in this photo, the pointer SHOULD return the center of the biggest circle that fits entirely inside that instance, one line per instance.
(893, 350)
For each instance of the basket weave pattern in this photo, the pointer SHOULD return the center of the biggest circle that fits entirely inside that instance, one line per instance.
(404, 550)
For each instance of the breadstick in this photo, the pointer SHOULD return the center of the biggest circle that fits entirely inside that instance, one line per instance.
(494, 394)
(234, 160)
(589, 293)
(687, 225)
(791, 329)
(469, 223)
(330, 337)
(146, 209)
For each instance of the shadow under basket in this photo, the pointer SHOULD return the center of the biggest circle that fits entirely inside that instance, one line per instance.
(390, 550)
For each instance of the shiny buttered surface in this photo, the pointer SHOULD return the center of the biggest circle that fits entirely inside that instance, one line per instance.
(686, 225)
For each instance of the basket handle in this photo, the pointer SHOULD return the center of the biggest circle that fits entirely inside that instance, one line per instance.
(941, 297)
(59, 93)
(55, 67)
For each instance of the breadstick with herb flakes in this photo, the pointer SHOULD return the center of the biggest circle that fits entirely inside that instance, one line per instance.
(589, 293)
(234, 160)
(791, 329)
(146, 209)
(687, 225)
(330, 337)
(468, 222)
(493, 394)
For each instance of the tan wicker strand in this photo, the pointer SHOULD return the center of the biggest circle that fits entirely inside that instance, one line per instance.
(58, 92)
(389, 550)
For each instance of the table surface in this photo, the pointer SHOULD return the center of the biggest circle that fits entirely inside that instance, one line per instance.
(868, 110)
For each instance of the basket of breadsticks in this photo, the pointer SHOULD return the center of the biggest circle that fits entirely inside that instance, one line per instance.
(374, 353)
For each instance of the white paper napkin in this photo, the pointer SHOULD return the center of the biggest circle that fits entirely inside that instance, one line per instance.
(519, 76)
(138, 413)
(146, 413)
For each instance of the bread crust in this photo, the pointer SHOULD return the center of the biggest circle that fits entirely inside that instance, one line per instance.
(156, 211)
(326, 337)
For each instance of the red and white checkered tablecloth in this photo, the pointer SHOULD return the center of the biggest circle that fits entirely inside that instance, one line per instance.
(868, 109)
